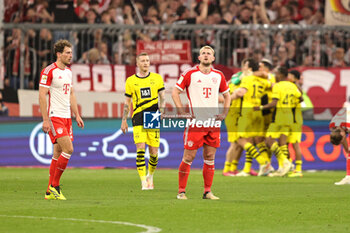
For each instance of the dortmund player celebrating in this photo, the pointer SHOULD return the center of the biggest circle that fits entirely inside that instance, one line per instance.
(146, 91)
(285, 96)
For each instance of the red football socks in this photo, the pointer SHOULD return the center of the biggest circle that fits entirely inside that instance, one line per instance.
(184, 171)
(52, 171)
(60, 167)
(208, 175)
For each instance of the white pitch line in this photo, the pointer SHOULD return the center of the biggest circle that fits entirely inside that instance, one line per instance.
(149, 229)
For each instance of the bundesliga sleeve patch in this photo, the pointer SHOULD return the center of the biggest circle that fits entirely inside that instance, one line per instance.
(180, 80)
(44, 79)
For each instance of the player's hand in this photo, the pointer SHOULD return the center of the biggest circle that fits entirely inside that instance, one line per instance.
(124, 126)
(46, 126)
(80, 122)
(256, 108)
(220, 117)
(182, 114)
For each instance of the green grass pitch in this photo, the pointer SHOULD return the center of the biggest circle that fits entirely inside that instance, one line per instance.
(111, 200)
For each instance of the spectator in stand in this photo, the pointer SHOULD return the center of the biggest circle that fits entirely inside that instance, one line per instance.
(245, 16)
(81, 9)
(338, 58)
(106, 18)
(128, 17)
(227, 18)
(38, 13)
(63, 11)
(184, 16)
(284, 60)
(93, 56)
(105, 58)
(43, 46)
(13, 65)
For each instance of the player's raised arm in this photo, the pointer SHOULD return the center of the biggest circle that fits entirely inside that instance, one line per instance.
(240, 92)
(74, 107)
(127, 106)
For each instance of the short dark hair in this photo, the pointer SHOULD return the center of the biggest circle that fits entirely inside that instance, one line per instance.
(60, 45)
(283, 70)
(336, 137)
(253, 64)
(180, 10)
(295, 73)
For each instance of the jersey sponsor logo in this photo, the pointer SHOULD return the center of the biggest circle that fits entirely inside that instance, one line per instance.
(66, 88)
(43, 79)
(180, 80)
(206, 92)
(145, 92)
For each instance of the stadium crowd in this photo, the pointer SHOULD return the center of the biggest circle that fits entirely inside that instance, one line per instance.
(96, 46)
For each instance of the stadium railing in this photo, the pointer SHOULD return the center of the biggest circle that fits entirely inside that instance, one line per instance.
(231, 43)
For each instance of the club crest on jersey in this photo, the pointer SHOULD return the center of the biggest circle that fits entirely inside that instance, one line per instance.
(190, 143)
(215, 80)
(59, 130)
(145, 92)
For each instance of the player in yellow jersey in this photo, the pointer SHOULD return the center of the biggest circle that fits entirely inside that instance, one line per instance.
(250, 122)
(231, 121)
(266, 66)
(285, 95)
(294, 76)
(146, 92)
(234, 152)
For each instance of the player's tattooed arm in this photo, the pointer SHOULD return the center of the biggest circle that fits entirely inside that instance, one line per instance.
(162, 101)
(126, 111)
(127, 104)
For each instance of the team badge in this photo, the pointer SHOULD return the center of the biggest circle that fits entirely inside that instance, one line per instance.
(190, 143)
(59, 130)
(215, 80)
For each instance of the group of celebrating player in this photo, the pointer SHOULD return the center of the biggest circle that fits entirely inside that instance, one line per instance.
(265, 108)
(262, 112)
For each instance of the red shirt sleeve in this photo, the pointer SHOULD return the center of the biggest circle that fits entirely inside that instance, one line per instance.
(45, 78)
(184, 81)
(223, 85)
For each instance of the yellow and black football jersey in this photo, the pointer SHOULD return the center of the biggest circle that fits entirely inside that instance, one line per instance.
(288, 96)
(144, 93)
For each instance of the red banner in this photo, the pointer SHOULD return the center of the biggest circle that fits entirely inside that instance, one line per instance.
(169, 51)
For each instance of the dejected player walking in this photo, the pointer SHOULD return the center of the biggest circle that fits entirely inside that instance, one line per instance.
(56, 82)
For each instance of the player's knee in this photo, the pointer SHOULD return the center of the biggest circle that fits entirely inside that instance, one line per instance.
(69, 150)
